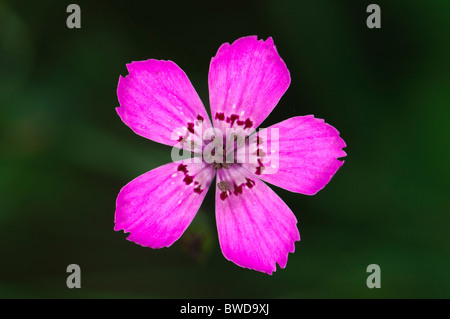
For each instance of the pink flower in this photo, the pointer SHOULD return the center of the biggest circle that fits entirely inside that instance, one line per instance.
(246, 80)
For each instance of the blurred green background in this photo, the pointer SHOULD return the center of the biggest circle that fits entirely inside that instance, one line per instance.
(65, 153)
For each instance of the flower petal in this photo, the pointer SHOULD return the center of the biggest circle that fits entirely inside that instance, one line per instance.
(158, 206)
(256, 228)
(156, 98)
(246, 81)
(307, 149)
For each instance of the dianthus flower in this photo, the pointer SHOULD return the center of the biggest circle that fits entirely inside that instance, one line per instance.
(246, 80)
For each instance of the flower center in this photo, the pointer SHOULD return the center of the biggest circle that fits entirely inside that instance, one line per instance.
(226, 154)
(221, 165)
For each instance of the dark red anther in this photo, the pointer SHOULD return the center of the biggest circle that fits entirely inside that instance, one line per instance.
(223, 195)
(260, 152)
(188, 179)
(237, 189)
(248, 123)
(250, 183)
(224, 187)
(232, 119)
(259, 168)
(191, 127)
(220, 116)
(198, 190)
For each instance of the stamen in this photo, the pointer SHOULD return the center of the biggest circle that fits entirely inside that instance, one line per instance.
(188, 179)
(223, 186)
(226, 190)
(221, 165)
(260, 152)
(260, 168)
(259, 140)
(234, 118)
(191, 127)
(220, 116)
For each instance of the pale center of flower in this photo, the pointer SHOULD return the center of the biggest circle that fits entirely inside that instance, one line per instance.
(222, 150)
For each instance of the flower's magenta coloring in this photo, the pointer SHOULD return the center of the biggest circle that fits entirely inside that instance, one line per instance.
(246, 80)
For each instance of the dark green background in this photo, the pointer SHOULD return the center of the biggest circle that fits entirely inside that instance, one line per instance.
(65, 154)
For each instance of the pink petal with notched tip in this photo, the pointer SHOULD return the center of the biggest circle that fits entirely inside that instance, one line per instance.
(308, 154)
(256, 228)
(158, 206)
(156, 98)
(246, 81)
